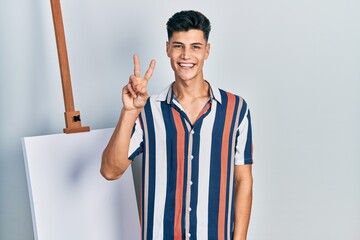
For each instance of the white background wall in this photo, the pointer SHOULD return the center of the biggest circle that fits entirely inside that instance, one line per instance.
(297, 63)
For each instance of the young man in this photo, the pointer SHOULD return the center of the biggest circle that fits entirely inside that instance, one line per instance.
(196, 143)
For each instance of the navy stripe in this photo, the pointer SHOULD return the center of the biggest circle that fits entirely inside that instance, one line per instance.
(215, 167)
(242, 112)
(195, 176)
(152, 169)
(169, 210)
(248, 146)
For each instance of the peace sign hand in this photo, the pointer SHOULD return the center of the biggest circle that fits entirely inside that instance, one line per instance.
(134, 94)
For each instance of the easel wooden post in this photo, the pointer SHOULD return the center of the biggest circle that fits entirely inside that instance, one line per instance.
(72, 117)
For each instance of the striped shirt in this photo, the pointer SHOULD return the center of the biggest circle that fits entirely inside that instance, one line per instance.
(188, 169)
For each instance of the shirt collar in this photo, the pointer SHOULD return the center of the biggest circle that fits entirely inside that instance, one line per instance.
(168, 94)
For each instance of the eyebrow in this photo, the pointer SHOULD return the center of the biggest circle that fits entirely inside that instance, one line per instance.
(196, 43)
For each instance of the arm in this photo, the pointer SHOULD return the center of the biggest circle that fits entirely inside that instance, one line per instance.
(243, 200)
(134, 95)
(115, 156)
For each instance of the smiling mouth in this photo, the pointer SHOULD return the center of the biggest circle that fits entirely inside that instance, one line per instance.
(186, 65)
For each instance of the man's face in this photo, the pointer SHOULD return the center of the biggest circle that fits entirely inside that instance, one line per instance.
(187, 51)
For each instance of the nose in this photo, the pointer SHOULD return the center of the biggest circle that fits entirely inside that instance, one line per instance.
(185, 53)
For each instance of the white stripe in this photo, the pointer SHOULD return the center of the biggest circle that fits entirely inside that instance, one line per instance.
(161, 171)
(146, 177)
(178, 105)
(204, 174)
(136, 138)
(241, 140)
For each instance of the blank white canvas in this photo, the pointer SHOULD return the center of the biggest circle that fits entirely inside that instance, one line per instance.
(69, 198)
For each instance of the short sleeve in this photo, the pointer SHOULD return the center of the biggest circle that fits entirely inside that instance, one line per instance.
(244, 144)
(136, 141)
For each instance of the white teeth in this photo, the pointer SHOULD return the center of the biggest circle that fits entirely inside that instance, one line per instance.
(186, 64)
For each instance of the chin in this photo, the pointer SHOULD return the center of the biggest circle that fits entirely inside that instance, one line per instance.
(185, 78)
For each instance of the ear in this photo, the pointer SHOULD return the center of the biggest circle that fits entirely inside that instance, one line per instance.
(167, 48)
(207, 49)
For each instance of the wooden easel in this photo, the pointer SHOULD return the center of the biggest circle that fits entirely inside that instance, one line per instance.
(72, 117)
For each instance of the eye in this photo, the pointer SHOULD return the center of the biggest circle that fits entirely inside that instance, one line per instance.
(196, 47)
(177, 46)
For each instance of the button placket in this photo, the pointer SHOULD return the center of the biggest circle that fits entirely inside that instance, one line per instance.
(190, 182)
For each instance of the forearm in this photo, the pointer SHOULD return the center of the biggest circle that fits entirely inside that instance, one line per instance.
(115, 156)
(243, 202)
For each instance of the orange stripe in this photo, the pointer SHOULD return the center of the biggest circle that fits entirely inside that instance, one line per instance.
(208, 105)
(224, 164)
(180, 149)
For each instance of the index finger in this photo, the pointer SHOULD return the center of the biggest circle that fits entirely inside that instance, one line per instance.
(136, 65)
(150, 70)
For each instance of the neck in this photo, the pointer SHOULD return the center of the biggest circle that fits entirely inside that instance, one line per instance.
(191, 89)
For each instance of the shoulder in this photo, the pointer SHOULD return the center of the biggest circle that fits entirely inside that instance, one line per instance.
(232, 102)
(227, 97)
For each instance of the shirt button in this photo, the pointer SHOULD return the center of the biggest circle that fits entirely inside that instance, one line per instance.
(191, 183)
(191, 157)
(192, 132)
(189, 234)
(189, 209)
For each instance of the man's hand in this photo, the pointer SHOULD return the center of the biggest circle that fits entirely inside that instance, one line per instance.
(134, 94)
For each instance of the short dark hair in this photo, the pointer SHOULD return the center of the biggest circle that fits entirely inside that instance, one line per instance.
(187, 20)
